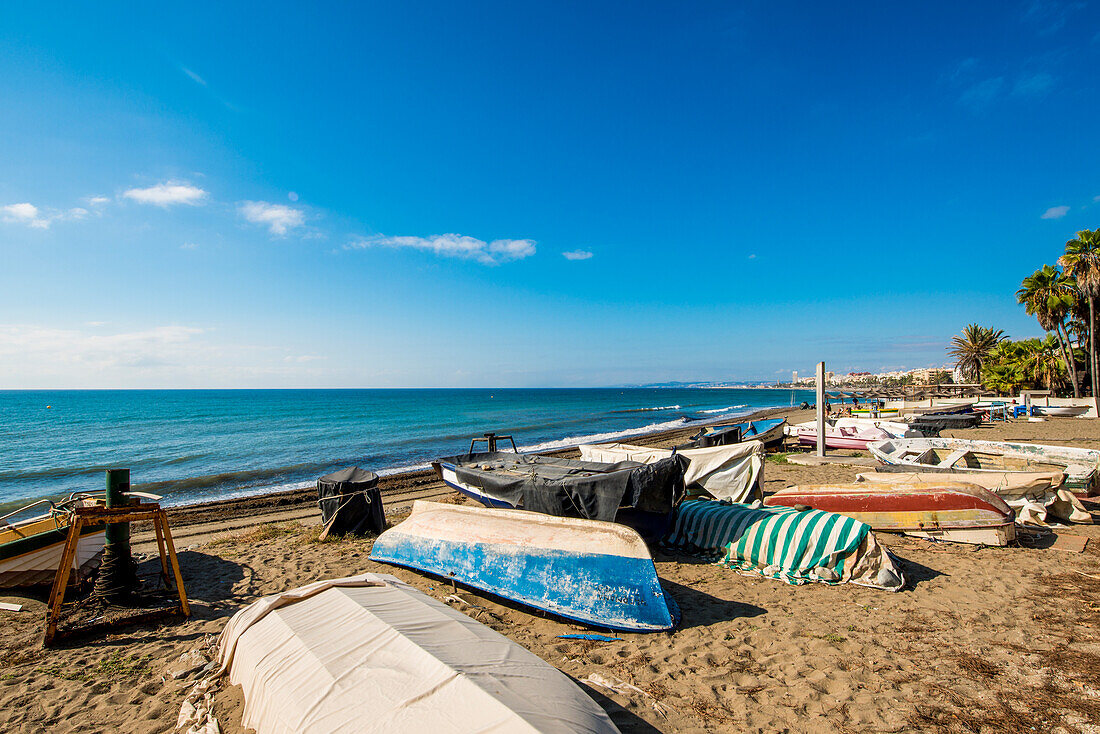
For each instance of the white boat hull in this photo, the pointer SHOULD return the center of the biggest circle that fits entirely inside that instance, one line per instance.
(40, 566)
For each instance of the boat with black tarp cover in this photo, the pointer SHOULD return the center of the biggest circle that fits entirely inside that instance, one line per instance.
(628, 492)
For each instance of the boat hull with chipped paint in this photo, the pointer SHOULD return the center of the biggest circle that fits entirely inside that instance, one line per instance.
(946, 510)
(1080, 466)
(594, 572)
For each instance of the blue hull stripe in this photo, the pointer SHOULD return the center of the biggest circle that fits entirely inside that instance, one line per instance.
(606, 591)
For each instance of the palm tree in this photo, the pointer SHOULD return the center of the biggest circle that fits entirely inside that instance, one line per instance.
(972, 349)
(1042, 361)
(1082, 262)
(1003, 369)
(1048, 295)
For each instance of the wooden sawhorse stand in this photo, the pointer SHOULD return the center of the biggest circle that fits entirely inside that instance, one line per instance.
(83, 516)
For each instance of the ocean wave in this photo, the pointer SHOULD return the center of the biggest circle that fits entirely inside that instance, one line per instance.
(563, 443)
(647, 410)
(265, 489)
(726, 409)
(243, 477)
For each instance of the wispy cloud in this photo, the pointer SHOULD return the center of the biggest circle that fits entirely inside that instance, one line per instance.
(752, 256)
(278, 218)
(1049, 16)
(24, 213)
(97, 200)
(1055, 212)
(577, 255)
(455, 245)
(168, 194)
(94, 350)
(983, 92)
(1032, 84)
(963, 71)
(193, 76)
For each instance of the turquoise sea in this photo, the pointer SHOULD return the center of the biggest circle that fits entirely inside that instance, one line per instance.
(198, 445)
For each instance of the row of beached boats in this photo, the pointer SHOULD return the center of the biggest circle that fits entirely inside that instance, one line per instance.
(573, 537)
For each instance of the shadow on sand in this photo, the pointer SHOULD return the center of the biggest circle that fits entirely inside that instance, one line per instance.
(700, 609)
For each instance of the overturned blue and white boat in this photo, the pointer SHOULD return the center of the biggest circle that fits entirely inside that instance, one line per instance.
(598, 573)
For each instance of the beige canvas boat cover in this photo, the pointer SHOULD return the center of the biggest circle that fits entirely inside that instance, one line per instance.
(1035, 497)
(371, 654)
(725, 472)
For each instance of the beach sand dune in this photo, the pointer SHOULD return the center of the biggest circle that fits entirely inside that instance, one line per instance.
(994, 639)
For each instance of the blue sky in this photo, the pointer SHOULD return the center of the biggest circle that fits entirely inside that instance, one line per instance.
(513, 194)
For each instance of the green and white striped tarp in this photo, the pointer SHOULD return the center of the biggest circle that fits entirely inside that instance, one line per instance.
(781, 542)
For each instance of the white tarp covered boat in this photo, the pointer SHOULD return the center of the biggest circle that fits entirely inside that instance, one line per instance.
(956, 454)
(31, 549)
(725, 472)
(1035, 497)
(371, 654)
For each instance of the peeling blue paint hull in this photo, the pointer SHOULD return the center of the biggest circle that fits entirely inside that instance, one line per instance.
(558, 565)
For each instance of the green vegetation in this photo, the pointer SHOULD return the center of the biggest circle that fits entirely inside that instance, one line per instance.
(777, 458)
(115, 667)
(1063, 301)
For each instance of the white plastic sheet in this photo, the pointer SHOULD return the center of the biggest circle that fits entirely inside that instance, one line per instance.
(725, 472)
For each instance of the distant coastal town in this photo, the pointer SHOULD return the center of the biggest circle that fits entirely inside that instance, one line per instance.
(896, 378)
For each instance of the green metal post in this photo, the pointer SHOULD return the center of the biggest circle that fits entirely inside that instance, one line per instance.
(117, 577)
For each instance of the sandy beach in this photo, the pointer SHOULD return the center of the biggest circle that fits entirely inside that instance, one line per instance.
(981, 639)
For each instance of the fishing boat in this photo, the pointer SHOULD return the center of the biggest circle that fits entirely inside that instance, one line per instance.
(946, 409)
(628, 492)
(1079, 465)
(1035, 497)
(876, 412)
(785, 544)
(850, 433)
(769, 432)
(598, 573)
(733, 473)
(1060, 411)
(370, 653)
(930, 424)
(945, 510)
(31, 549)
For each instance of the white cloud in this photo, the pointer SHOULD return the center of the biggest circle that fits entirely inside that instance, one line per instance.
(97, 200)
(1055, 212)
(455, 245)
(189, 246)
(78, 212)
(24, 213)
(1032, 84)
(23, 346)
(194, 77)
(279, 219)
(982, 93)
(577, 255)
(167, 194)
